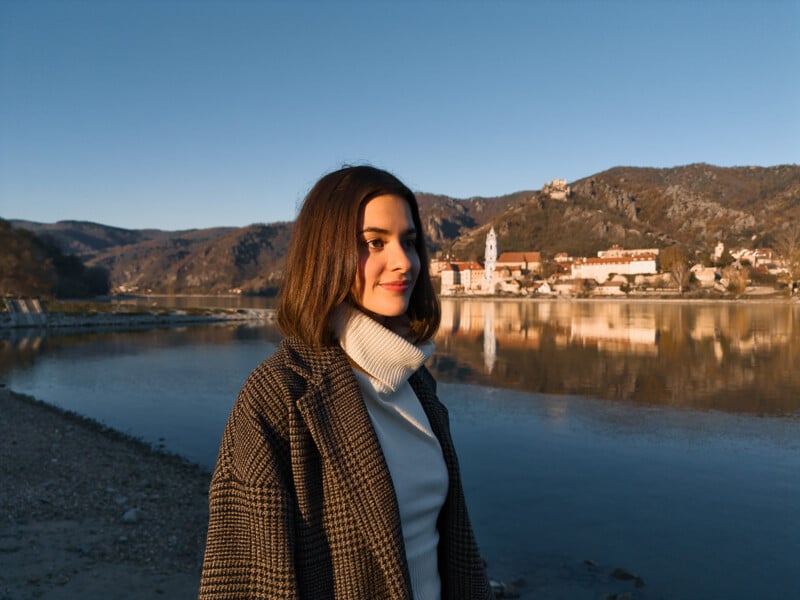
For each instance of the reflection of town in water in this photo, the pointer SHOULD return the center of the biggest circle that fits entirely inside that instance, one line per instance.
(727, 356)
(730, 356)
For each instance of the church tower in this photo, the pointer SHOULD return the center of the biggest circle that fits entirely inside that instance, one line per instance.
(489, 258)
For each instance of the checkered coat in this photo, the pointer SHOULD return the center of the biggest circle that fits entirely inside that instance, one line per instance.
(301, 501)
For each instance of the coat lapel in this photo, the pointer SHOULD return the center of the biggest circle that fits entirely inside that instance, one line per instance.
(437, 416)
(451, 526)
(337, 418)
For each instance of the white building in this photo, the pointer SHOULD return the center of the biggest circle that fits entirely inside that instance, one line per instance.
(462, 277)
(600, 269)
(760, 257)
(618, 251)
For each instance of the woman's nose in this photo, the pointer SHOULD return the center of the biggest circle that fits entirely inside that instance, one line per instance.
(401, 259)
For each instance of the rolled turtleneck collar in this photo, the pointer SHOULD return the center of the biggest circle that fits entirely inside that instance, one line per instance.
(386, 357)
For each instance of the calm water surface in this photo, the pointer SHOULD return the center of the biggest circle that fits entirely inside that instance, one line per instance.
(664, 438)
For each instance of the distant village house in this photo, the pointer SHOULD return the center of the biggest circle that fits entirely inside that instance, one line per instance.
(520, 263)
(618, 251)
(462, 277)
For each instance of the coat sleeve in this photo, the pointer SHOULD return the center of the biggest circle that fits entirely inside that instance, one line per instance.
(250, 543)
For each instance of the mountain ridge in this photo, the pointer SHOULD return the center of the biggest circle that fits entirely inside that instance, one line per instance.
(693, 205)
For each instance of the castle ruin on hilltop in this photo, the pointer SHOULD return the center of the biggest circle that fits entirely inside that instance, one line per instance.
(557, 189)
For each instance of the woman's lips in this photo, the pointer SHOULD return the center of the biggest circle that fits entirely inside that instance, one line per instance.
(396, 286)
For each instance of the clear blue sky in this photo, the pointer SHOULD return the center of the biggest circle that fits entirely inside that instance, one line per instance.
(182, 114)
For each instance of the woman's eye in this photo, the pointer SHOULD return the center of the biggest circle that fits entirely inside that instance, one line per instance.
(376, 244)
(410, 243)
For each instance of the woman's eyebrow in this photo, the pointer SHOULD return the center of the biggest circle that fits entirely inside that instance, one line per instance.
(410, 231)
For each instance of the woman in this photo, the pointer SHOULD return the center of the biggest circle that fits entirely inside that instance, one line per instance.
(336, 476)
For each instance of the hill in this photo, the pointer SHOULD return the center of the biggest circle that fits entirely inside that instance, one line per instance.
(206, 261)
(695, 206)
(218, 260)
(34, 266)
(86, 239)
(445, 219)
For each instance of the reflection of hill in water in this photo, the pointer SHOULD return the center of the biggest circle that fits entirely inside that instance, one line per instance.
(740, 357)
(20, 348)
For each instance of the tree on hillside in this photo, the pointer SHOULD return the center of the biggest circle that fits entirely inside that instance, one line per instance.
(32, 266)
(675, 261)
(787, 244)
(25, 268)
(75, 280)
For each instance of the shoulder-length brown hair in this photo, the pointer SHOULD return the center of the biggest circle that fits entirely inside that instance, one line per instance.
(322, 263)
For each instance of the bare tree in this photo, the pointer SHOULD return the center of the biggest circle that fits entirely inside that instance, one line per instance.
(787, 245)
(675, 261)
(737, 277)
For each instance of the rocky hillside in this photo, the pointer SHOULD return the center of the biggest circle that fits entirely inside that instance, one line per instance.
(25, 267)
(34, 266)
(86, 239)
(695, 206)
(445, 219)
(203, 261)
(218, 260)
(213, 260)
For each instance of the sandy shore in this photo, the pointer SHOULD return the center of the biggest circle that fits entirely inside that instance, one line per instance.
(87, 512)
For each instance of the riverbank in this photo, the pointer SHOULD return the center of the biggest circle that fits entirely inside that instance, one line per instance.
(127, 320)
(133, 317)
(90, 513)
(640, 298)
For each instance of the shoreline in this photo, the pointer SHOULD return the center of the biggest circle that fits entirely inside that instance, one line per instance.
(88, 510)
(629, 299)
(120, 320)
(771, 298)
(172, 317)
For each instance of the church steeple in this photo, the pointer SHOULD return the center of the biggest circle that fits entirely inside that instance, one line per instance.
(490, 256)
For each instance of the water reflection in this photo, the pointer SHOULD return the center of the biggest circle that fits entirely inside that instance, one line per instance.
(740, 357)
(20, 348)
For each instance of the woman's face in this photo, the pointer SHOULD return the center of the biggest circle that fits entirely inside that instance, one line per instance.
(388, 263)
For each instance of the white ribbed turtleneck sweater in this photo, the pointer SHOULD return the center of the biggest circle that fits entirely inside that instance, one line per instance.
(384, 362)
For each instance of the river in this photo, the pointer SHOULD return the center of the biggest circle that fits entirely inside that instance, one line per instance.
(660, 437)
